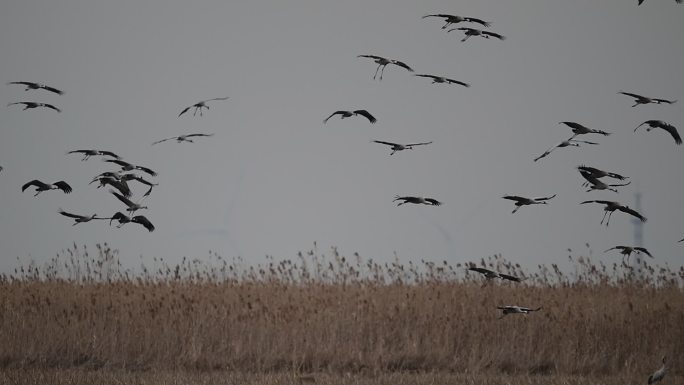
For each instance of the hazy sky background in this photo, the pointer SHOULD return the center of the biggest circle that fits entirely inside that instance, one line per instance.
(274, 178)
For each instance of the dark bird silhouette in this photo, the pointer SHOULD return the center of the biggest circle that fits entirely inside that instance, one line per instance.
(665, 126)
(79, 218)
(522, 201)
(579, 129)
(125, 166)
(35, 86)
(610, 207)
(490, 274)
(516, 310)
(183, 138)
(595, 184)
(639, 99)
(596, 173)
(469, 32)
(88, 153)
(442, 79)
(400, 147)
(627, 251)
(28, 105)
(454, 19)
(676, 1)
(132, 207)
(199, 105)
(383, 62)
(41, 186)
(417, 200)
(139, 219)
(114, 181)
(566, 143)
(347, 114)
(660, 373)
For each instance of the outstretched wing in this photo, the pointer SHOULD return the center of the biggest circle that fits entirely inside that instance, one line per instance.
(582, 141)
(184, 110)
(632, 212)
(140, 219)
(145, 169)
(122, 198)
(223, 98)
(37, 183)
(427, 76)
(482, 270)
(28, 84)
(64, 186)
(333, 114)
(672, 130)
(454, 81)
(109, 153)
(510, 277)
(119, 216)
(70, 215)
(373, 57)
(387, 143)
(418, 144)
(120, 162)
(191, 135)
(643, 250)
(492, 34)
(442, 15)
(433, 201)
(635, 96)
(615, 248)
(544, 198)
(366, 114)
(50, 106)
(402, 64)
(478, 21)
(51, 89)
(164, 140)
(515, 198)
(664, 101)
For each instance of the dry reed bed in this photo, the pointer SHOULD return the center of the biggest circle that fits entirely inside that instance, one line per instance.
(326, 314)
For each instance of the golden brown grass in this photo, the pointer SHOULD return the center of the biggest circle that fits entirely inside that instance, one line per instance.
(330, 315)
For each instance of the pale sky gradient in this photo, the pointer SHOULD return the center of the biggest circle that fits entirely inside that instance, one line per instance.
(274, 178)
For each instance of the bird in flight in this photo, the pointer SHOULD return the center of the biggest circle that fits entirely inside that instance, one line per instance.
(199, 105)
(125, 166)
(35, 86)
(490, 274)
(442, 79)
(676, 1)
(417, 200)
(88, 153)
(595, 184)
(41, 186)
(347, 114)
(139, 219)
(579, 129)
(627, 251)
(565, 143)
(610, 207)
(28, 105)
(383, 62)
(400, 147)
(522, 201)
(516, 310)
(469, 32)
(639, 99)
(454, 19)
(182, 138)
(132, 207)
(79, 218)
(665, 126)
(114, 181)
(596, 173)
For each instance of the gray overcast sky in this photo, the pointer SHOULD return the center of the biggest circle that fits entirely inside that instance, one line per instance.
(274, 179)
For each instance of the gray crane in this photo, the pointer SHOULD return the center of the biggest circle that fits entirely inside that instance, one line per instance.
(183, 138)
(522, 201)
(659, 374)
(346, 114)
(400, 147)
(578, 129)
(442, 79)
(132, 207)
(125, 166)
(665, 126)
(469, 32)
(383, 62)
(88, 153)
(610, 207)
(454, 19)
(640, 99)
(79, 218)
(491, 274)
(627, 251)
(596, 173)
(28, 105)
(199, 105)
(41, 186)
(506, 310)
(566, 143)
(595, 184)
(139, 219)
(36, 86)
(417, 200)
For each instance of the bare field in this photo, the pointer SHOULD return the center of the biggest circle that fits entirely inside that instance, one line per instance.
(82, 317)
(118, 377)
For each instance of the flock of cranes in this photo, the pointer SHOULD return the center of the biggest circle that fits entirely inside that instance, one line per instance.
(118, 180)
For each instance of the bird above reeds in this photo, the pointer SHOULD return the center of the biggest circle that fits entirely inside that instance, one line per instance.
(491, 274)
(506, 310)
(610, 207)
(139, 219)
(79, 218)
(627, 251)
